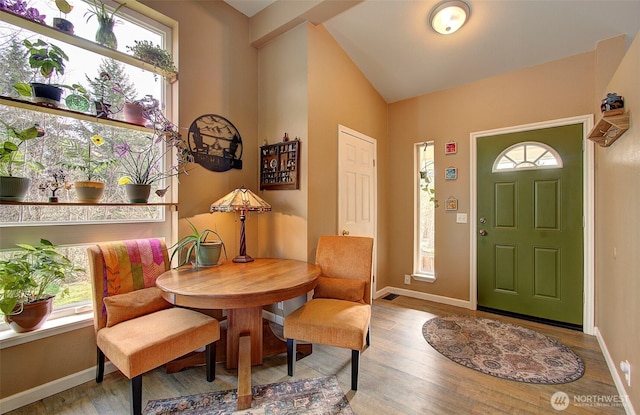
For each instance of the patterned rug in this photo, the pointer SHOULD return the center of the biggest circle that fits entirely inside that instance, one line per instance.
(316, 396)
(503, 350)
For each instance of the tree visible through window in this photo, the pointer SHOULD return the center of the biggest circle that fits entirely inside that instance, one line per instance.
(424, 257)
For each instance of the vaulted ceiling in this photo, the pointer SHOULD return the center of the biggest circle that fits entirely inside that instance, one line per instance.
(394, 47)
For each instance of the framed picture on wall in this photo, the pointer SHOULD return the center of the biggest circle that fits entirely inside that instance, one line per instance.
(451, 173)
(451, 204)
(451, 147)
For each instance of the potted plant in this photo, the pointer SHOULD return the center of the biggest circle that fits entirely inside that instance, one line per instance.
(106, 21)
(104, 87)
(20, 8)
(54, 180)
(205, 252)
(48, 59)
(154, 55)
(14, 188)
(135, 111)
(29, 281)
(61, 23)
(144, 166)
(91, 163)
(78, 98)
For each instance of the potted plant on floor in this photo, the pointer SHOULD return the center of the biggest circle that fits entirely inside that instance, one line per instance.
(29, 281)
(48, 60)
(198, 248)
(13, 188)
(89, 160)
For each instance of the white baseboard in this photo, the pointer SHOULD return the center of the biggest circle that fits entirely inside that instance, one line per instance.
(43, 391)
(617, 380)
(425, 296)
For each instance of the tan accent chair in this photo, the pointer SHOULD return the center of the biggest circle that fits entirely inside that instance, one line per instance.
(340, 312)
(136, 329)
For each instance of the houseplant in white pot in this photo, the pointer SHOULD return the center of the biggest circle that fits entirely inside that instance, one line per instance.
(197, 247)
(91, 162)
(13, 188)
(29, 281)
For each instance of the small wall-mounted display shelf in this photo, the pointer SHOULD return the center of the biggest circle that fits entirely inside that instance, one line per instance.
(280, 166)
(610, 127)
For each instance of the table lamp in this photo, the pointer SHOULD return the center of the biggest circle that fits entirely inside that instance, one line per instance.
(241, 200)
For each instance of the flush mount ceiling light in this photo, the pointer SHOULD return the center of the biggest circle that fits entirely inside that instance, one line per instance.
(449, 16)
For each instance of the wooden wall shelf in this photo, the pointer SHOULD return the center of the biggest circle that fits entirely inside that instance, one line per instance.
(174, 206)
(280, 166)
(610, 127)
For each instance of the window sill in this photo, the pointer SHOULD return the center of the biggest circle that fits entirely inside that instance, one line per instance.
(9, 338)
(424, 277)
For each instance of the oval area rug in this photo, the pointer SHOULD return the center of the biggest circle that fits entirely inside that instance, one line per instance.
(503, 350)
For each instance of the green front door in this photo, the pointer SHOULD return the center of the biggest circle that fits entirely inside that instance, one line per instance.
(530, 223)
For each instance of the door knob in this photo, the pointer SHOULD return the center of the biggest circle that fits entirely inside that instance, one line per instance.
(483, 220)
(345, 232)
(483, 232)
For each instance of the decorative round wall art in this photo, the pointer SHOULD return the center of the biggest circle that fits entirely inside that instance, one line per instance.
(215, 143)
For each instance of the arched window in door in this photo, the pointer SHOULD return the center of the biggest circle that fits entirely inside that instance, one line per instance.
(527, 155)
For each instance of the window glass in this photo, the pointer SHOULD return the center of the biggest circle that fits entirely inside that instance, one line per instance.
(28, 223)
(424, 258)
(526, 156)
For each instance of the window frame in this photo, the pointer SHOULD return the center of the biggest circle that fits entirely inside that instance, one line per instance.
(78, 235)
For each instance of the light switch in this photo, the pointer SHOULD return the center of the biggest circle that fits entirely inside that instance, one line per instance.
(461, 218)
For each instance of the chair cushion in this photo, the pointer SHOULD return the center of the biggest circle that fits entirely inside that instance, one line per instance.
(327, 321)
(141, 344)
(340, 289)
(123, 307)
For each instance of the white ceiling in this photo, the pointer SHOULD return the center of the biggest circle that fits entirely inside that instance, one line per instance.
(391, 43)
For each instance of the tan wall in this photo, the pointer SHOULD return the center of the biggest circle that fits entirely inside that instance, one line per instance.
(554, 90)
(283, 106)
(618, 230)
(340, 94)
(218, 75)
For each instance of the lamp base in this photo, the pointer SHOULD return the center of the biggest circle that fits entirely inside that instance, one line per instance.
(243, 258)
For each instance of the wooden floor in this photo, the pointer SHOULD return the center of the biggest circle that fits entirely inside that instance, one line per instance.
(399, 374)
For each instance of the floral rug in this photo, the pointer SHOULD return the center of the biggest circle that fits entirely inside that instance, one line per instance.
(316, 396)
(503, 350)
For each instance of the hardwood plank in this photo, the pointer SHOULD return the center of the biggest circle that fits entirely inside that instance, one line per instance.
(399, 374)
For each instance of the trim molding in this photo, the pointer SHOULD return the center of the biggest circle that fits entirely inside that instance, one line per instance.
(425, 296)
(588, 203)
(51, 388)
(628, 406)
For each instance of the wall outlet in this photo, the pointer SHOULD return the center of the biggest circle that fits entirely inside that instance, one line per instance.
(407, 279)
(625, 367)
(280, 305)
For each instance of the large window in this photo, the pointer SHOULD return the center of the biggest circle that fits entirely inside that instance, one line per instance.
(425, 202)
(74, 227)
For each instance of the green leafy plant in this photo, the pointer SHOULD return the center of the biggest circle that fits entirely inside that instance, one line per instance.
(101, 13)
(91, 163)
(46, 58)
(152, 54)
(192, 245)
(10, 155)
(34, 273)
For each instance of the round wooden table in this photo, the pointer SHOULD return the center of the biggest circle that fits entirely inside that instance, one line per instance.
(242, 289)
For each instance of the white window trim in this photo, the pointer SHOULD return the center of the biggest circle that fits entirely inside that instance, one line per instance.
(418, 276)
(547, 147)
(52, 327)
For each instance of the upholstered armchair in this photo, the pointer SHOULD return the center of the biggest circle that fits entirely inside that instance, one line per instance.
(136, 329)
(340, 312)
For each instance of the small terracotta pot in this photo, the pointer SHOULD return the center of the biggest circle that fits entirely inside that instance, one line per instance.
(32, 317)
(89, 192)
(133, 113)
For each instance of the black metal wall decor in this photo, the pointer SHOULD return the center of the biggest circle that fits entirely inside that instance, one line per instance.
(215, 143)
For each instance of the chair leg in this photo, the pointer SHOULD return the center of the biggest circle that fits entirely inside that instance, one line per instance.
(368, 337)
(211, 361)
(135, 395)
(100, 366)
(291, 356)
(355, 363)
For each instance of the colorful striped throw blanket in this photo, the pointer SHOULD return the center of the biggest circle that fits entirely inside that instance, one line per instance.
(132, 265)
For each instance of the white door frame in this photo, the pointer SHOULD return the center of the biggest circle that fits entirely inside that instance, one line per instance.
(588, 202)
(374, 194)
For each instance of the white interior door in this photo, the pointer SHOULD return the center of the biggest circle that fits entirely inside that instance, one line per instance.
(357, 185)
